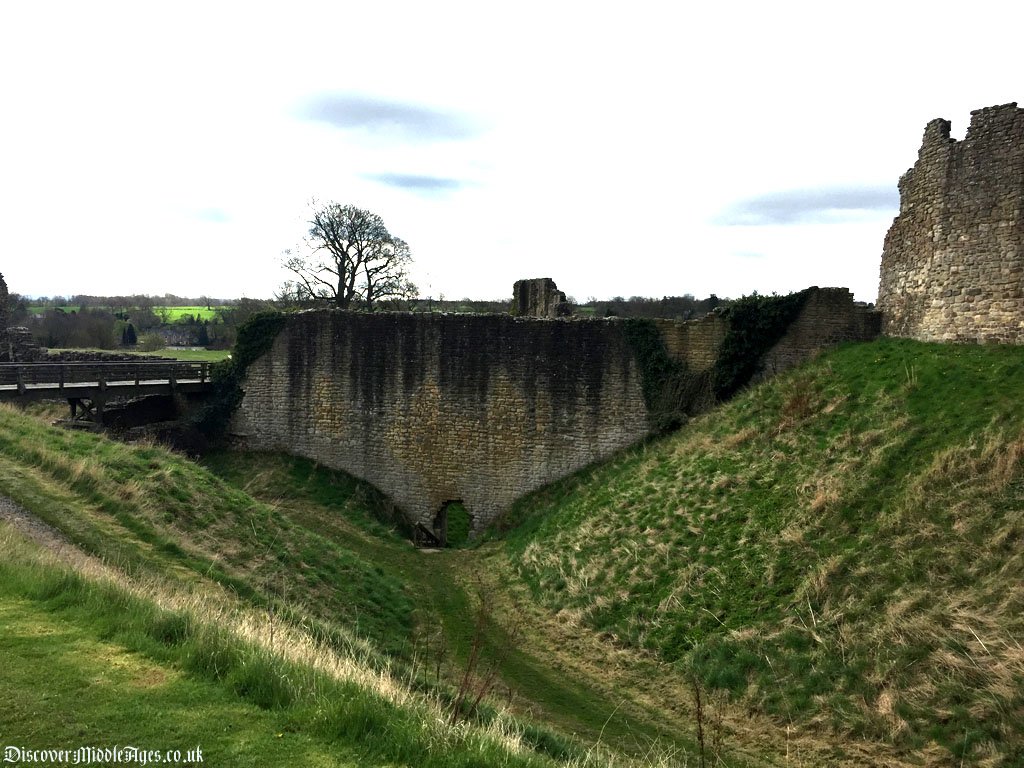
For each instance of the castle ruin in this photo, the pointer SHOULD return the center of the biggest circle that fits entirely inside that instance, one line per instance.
(953, 262)
(539, 297)
(16, 342)
(480, 409)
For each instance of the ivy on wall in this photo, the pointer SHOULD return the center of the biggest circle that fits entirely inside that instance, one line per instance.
(672, 392)
(255, 337)
(756, 324)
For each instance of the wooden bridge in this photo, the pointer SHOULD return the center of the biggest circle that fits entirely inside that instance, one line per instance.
(89, 386)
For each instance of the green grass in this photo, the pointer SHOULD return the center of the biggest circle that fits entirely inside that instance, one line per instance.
(193, 355)
(179, 314)
(173, 314)
(835, 556)
(178, 353)
(189, 683)
(149, 508)
(838, 548)
(314, 554)
(443, 587)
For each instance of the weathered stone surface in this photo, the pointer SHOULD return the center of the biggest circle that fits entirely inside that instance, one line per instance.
(829, 317)
(953, 263)
(20, 346)
(480, 408)
(694, 342)
(436, 408)
(539, 297)
(16, 343)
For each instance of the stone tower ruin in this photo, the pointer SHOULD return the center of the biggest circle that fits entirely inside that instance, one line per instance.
(539, 297)
(953, 261)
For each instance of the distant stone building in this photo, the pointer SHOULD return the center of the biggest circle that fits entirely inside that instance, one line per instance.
(953, 263)
(539, 297)
(16, 343)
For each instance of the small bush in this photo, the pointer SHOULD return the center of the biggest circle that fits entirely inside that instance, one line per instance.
(151, 342)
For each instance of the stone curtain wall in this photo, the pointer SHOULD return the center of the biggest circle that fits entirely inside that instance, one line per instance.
(5, 320)
(435, 408)
(694, 342)
(953, 262)
(828, 318)
(480, 408)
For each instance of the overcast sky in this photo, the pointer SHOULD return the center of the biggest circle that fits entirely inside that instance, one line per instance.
(642, 148)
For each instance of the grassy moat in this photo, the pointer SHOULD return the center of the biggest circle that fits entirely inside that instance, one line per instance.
(831, 563)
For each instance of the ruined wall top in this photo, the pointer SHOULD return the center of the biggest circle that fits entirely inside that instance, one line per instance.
(539, 297)
(953, 262)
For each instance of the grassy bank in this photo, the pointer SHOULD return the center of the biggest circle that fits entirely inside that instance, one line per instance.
(839, 548)
(177, 353)
(196, 674)
(144, 507)
(309, 557)
(832, 562)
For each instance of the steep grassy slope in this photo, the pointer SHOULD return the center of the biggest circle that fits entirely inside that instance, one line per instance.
(232, 604)
(445, 587)
(265, 590)
(842, 548)
(96, 656)
(144, 507)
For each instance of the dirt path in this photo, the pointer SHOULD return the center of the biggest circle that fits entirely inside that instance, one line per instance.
(31, 526)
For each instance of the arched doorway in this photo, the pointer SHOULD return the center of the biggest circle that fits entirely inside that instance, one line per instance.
(453, 524)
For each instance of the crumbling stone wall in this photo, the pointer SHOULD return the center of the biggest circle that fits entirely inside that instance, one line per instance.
(829, 317)
(437, 408)
(539, 297)
(20, 346)
(953, 263)
(16, 343)
(694, 342)
(480, 408)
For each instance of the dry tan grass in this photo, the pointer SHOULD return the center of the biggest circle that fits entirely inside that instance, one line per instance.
(652, 689)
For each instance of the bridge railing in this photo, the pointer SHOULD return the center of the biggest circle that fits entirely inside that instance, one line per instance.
(26, 375)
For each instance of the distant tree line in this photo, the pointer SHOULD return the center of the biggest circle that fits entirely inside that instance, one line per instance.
(108, 322)
(685, 307)
(134, 301)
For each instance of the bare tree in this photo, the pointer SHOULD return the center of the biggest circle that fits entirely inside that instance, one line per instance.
(350, 260)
